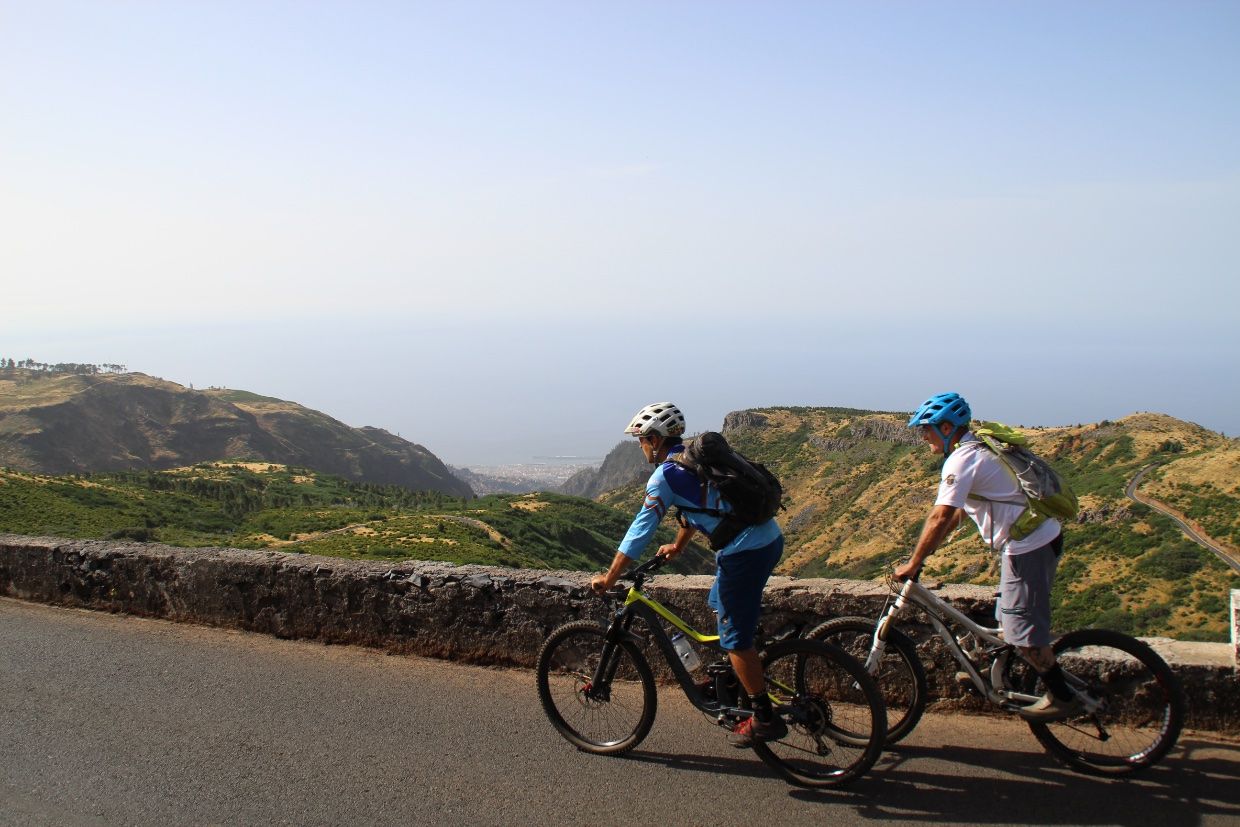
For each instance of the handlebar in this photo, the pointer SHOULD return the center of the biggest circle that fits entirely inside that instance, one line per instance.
(895, 584)
(638, 575)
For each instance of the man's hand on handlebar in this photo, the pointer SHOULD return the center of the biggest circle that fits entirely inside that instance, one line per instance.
(668, 551)
(601, 583)
(907, 570)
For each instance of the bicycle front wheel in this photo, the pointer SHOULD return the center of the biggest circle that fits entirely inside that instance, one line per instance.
(833, 709)
(901, 678)
(607, 719)
(1140, 705)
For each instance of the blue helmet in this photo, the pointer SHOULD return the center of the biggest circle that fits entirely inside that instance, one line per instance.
(945, 407)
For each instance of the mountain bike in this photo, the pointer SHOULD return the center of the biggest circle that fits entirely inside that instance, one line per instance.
(597, 688)
(1132, 703)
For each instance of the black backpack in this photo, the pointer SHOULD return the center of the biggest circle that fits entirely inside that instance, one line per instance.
(753, 492)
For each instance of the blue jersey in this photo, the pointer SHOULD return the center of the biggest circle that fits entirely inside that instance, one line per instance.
(673, 485)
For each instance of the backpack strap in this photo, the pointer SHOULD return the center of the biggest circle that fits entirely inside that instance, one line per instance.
(713, 512)
(989, 443)
(998, 452)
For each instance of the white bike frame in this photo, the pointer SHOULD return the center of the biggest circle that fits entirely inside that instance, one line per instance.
(942, 616)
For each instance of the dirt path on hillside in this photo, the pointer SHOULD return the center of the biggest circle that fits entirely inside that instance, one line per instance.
(1191, 529)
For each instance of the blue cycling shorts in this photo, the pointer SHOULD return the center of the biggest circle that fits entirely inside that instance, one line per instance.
(736, 596)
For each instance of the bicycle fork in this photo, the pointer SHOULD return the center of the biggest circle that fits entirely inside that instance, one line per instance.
(599, 687)
(879, 643)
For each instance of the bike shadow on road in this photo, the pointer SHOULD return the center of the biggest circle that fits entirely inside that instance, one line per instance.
(954, 784)
(1200, 780)
(743, 765)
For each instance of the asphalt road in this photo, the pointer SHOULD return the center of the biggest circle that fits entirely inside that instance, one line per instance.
(108, 719)
(1189, 531)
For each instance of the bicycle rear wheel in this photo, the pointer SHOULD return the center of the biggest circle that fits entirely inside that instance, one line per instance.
(604, 720)
(1141, 708)
(834, 711)
(901, 678)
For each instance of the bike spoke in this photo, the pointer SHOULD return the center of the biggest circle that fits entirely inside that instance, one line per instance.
(609, 716)
(1139, 711)
(835, 725)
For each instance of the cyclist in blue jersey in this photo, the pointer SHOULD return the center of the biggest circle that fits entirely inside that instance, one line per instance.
(742, 566)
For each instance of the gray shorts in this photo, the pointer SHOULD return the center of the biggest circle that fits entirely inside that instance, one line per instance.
(1024, 608)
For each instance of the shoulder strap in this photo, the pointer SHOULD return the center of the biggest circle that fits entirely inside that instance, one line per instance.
(985, 440)
(678, 459)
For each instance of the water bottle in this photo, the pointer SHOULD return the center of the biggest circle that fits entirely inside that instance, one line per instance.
(685, 652)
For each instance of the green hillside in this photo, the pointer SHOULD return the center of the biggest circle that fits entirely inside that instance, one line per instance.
(261, 505)
(859, 484)
(69, 419)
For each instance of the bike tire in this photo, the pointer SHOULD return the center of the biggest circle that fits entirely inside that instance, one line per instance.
(901, 678)
(603, 726)
(1142, 711)
(833, 709)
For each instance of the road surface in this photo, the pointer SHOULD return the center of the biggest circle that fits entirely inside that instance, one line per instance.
(111, 719)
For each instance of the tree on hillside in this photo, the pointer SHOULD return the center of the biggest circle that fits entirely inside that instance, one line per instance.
(77, 368)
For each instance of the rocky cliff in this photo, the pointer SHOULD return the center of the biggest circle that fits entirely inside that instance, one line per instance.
(624, 467)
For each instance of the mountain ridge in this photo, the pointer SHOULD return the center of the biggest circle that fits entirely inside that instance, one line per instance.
(72, 423)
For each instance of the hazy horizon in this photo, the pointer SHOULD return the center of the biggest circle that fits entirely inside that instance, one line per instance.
(500, 229)
(580, 403)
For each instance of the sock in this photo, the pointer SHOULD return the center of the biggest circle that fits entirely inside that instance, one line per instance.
(1055, 682)
(761, 706)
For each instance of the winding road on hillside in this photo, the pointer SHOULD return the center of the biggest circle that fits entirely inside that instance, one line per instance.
(1192, 533)
(111, 719)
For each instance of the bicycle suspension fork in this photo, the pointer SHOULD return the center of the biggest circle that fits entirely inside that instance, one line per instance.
(609, 662)
(882, 629)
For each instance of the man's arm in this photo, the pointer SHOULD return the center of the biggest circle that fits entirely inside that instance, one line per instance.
(942, 520)
(600, 583)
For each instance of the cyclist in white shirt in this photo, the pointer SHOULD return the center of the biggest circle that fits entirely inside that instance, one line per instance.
(997, 501)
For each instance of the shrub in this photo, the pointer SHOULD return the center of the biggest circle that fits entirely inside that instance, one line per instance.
(140, 533)
(1174, 563)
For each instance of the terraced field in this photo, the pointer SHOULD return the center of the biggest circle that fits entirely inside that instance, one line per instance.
(261, 505)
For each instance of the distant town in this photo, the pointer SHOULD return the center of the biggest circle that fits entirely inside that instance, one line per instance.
(545, 474)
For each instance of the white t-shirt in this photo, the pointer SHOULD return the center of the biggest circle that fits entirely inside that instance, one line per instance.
(972, 468)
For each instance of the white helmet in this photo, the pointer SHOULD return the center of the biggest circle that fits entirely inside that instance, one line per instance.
(662, 418)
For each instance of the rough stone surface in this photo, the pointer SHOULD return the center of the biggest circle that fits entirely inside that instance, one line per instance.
(1235, 626)
(865, 429)
(736, 420)
(476, 614)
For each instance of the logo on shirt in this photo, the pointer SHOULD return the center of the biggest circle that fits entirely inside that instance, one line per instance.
(950, 479)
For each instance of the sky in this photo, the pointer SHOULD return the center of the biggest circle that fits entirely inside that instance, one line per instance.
(500, 229)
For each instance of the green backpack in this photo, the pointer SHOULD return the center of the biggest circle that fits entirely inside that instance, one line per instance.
(1047, 495)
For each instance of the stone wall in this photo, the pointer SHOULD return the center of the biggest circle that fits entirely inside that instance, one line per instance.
(474, 614)
(1235, 624)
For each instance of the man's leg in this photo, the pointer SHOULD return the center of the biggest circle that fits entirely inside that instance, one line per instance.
(748, 668)
(1025, 604)
(737, 597)
(745, 662)
(1025, 614)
